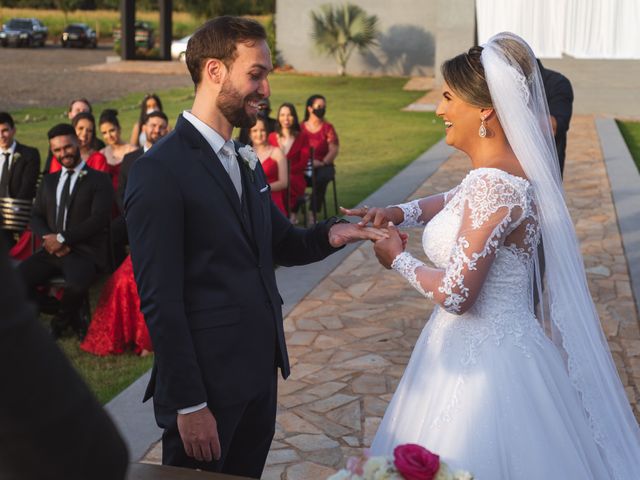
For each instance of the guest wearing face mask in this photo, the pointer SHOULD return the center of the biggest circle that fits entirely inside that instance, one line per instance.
(323, 139)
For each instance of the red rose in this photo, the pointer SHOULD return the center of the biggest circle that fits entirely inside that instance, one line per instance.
(415, 462)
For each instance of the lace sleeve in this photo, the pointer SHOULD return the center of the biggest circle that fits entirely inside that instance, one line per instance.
(419, 212)
(492, 206)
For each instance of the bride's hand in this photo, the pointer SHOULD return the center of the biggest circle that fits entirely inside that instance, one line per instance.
(342, 233)
(379, 217)
(388, 249)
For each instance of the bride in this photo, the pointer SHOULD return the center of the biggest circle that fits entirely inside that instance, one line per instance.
(490, 387)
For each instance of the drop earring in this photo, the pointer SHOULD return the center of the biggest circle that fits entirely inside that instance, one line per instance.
(482, 132)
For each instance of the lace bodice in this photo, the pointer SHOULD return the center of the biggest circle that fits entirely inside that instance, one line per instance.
(482, 242)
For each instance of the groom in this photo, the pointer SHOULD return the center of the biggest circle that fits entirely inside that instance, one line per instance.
(204, 238)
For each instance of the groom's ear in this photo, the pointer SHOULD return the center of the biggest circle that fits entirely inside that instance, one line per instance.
(215, 70)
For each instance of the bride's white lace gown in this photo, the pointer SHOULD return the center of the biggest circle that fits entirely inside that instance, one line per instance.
(485, 388)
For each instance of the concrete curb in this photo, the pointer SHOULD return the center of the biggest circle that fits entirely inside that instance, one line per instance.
(625, 189)
(135, 419)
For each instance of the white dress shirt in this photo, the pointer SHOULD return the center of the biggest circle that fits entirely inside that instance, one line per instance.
(11, 150)
(61, 182)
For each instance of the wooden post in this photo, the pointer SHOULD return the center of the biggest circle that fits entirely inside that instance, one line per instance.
(127, 29)
(166, 30)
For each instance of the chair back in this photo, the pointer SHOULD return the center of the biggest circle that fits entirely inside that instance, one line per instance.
(15, 214)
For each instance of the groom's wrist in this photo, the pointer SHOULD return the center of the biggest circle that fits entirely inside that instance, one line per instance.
(195, 408)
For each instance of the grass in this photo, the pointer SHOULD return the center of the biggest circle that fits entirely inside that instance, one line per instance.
(377, 140)
(102, 21)
(631, 134)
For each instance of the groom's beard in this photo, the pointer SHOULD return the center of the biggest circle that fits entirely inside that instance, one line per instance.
(232, 106)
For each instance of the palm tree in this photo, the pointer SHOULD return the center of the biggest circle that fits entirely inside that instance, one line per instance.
(339, 29)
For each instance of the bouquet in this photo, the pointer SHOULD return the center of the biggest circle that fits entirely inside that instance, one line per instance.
(409, 462)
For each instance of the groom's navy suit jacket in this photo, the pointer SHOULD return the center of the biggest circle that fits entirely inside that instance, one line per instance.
(204, 266)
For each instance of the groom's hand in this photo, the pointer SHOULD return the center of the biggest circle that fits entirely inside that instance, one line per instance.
(199, 433)
(389, 248)
(342, 233)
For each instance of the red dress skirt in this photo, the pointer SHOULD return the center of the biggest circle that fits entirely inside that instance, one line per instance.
(117, 324)
(270, 167)
(297, 157)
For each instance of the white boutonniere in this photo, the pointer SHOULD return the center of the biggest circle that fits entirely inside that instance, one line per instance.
(250, 160)
(82, 174)
(16, 156)
(249, 156)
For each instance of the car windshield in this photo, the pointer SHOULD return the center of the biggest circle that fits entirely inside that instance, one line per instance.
(75, 29)
(19, 25)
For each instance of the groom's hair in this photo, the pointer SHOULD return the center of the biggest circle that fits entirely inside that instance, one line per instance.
(218, 38)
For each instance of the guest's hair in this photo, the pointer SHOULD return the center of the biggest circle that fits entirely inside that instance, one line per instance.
(60, 130)
(5, 117)
(155, 113)
(295, 128)
(218, 38)
(310, 102)
(465, 75)
(109, 115)
(143, 106)
(81, 99)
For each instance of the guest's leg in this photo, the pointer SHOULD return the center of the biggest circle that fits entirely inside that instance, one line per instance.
(37, 269)
(79, 273)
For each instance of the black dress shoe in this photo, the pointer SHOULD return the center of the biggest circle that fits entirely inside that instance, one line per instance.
(57, 328)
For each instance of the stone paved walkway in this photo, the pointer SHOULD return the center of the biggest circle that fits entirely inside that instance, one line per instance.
(351, 337)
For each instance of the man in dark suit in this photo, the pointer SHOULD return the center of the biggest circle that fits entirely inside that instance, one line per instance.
(71, 215)
(204, 238)
(155, 126)
(51, 426)
(559, 95)
(19, 166)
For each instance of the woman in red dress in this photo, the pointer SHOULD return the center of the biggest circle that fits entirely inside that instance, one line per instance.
(115, 148)
(323, 142)
(294, 144)
(117, 324)
(85, 126)
(273, 163)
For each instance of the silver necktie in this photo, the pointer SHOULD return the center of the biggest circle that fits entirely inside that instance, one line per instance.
(232, 167)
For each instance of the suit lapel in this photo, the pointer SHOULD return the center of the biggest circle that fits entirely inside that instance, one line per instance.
(252, 198)
(51, 182)
(79, 183)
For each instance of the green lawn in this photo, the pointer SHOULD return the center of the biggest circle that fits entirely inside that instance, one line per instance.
(631, 133)
(377, 140)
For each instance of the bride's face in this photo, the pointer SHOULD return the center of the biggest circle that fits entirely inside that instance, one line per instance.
(461, 119)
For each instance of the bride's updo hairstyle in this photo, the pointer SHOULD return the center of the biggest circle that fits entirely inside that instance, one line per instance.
(466, 76)
(464, 73)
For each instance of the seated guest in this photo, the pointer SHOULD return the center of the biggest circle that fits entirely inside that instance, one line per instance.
(76, 106)
(116, 148)
(85, 127)
(295, 145)
(273, 161)
(150, 103)
(155, 126)
(19, 166)
(71, 215)
(117, 324)
(324, 145)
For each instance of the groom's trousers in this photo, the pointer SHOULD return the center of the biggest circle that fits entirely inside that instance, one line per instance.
(245, 431)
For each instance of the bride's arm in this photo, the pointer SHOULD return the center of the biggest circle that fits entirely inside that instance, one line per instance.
(486, 216)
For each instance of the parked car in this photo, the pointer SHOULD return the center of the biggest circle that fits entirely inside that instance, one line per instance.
(23, 32)
(179, 48)
(80, 35)
(144, 35)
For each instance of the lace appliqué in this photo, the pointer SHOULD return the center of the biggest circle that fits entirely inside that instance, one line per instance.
(412, 213)
(406, 265)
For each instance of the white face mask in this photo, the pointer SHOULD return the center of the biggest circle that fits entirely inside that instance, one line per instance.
(149, 110)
